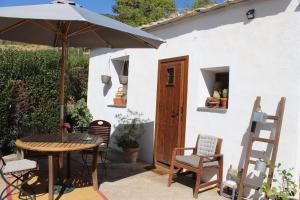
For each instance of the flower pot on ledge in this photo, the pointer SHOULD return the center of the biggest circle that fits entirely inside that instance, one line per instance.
(123, 79)
(120, 102)
(224, 102)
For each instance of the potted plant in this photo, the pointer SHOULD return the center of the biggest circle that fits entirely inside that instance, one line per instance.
(129, 129)
(106, 79)
(283, 186)
(224, 99)
(120, 97)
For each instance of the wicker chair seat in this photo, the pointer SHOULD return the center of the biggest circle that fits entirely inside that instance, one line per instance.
(193, 160)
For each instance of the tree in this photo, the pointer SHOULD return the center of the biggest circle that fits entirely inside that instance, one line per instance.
(139, 12)
(202, 3)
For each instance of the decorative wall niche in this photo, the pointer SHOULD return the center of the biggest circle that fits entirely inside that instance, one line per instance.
(217, 83)
(121, 65)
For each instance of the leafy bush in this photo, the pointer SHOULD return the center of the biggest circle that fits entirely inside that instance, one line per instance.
(29, 84)
(286, 186)
(29, 92)
(79, 114)
(76, 80)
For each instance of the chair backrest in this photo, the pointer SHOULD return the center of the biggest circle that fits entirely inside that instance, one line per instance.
(101, 128)
(208, 145)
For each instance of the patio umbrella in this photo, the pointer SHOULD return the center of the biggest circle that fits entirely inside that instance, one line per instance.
(65, 24)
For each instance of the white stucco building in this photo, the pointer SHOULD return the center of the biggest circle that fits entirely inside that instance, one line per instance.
(259, 56)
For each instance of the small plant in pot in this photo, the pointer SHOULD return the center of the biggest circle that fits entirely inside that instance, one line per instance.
(283, 187)
(224, 99)
(123, 78)
(129, 130)
(106, 79)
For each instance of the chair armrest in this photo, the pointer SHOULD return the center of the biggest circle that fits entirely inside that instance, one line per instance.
(178, 149)
(212, 156)
(219, 157)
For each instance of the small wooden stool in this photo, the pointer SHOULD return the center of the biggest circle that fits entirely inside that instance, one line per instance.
(229, 184)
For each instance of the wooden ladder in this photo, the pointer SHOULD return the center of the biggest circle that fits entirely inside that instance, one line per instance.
(277, 120)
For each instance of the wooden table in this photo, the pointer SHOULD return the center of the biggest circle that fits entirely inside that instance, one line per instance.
(55, 144)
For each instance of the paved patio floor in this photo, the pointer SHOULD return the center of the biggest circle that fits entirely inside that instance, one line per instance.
(138, 181)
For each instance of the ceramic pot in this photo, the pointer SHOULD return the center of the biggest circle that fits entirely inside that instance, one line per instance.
(224, 102)
(120, 102)
(105, 79)
(123, 79)
(213, 104)
(259, 116)
(260, 166)
(131, 154)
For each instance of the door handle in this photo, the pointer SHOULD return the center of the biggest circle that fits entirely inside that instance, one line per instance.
(175, 114)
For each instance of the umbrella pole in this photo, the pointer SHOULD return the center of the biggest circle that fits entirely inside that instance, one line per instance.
(63, 64)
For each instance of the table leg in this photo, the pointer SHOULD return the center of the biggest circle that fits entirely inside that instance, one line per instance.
(94, 169)
(50, 176)
(61, 166)
(68, 165)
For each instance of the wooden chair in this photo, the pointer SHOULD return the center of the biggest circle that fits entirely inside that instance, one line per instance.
(101, 128)
(206, 154)
(22, 171)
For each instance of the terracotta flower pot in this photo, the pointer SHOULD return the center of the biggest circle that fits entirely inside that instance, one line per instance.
(120, 102)
(132, 154)
(224, 102)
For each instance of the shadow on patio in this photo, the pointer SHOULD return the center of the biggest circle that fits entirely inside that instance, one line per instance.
(140, 181)
(130, 181)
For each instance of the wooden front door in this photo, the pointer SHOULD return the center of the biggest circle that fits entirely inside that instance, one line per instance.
(170, 108)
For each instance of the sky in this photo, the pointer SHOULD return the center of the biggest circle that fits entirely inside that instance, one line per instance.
(99, 6)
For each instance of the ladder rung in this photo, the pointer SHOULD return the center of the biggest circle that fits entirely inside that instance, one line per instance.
(271, 117)
(254, 162)
(267, 124)
(259, 139)
(248, 185)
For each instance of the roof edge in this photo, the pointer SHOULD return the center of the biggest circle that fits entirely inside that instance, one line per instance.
(188, 14)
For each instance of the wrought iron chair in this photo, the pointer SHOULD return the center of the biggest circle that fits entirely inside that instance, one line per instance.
(23, 171)
(206, 154)
(101, 128)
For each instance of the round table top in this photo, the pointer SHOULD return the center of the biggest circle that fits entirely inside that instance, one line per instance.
(57, 143)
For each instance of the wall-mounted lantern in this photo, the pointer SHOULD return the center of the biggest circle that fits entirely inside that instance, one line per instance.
(250, 14)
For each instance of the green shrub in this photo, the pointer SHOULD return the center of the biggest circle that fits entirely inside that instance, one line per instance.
(130, 129)
(29, 91)
(79, 114)
(283, 185)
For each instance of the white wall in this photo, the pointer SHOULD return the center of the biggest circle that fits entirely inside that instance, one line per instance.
(141, 90)
(263, 56)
